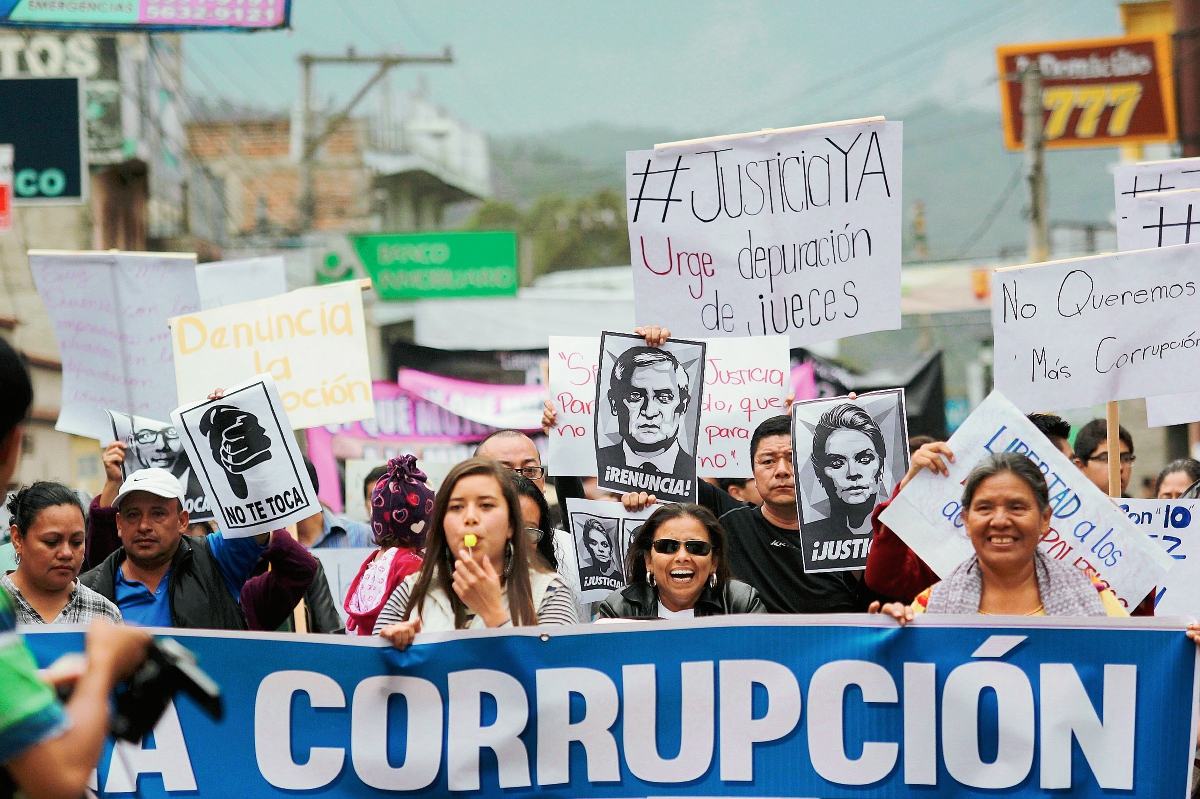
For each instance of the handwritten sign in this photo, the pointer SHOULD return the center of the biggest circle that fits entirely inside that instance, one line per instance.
(110, 312)
(794, 232)
(1086, 530)
(247, 459)
(312, 341)
(1133, 181)
(746, 381)
(1081, 332)
(574, 361)
(1175, 524)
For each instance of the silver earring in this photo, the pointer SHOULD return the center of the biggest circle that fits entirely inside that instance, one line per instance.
(712, 580)
(508, 557)
(651, 579)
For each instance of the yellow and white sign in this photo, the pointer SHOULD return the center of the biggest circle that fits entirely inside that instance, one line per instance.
(311, 341)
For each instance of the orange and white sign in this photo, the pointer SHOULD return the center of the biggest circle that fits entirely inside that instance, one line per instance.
(1096, 93)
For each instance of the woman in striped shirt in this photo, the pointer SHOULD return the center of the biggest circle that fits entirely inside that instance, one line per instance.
(479, 570)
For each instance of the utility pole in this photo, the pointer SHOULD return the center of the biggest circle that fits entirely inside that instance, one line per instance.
(310, 140)
(1035, 162)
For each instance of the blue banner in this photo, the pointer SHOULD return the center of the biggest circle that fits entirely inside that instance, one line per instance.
(829, 706)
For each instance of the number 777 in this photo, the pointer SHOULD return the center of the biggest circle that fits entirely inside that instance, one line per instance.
(1061, 101)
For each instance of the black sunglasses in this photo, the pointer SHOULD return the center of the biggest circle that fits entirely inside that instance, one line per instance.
(669, 546)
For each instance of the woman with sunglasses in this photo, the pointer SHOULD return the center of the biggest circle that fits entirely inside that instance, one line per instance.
(678, 569)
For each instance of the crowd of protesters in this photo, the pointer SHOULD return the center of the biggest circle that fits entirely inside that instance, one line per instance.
(487, 550)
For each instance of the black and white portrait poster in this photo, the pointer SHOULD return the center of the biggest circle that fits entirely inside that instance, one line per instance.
(602, 532)
(247, 459)
(849, 454)
(154, 444)
(648, 416)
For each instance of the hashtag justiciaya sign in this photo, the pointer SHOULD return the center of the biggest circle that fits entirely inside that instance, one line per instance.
(246, 457)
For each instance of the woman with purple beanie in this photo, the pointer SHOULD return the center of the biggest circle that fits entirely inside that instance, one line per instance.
(400, 506)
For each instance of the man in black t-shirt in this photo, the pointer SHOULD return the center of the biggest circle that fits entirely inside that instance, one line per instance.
(764, 542)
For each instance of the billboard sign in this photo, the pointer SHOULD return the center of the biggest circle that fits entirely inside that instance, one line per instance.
(1096, 93)
(43, 121)
(152, 15)
(423, 266)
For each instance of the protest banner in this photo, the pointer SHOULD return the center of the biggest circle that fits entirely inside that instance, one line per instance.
(244, 280)
(1081, 332)
(574, 361)
(109, 311)
(153, 444)
(312, 341)
(1133, 181)
(847, 456)
(499, 406)
(602, 532)
(1175, 524)
(1087, 530)
(758, 705)
(403, 425)
(746, 380)
(247, 459)
(647, 416)
(793, 232)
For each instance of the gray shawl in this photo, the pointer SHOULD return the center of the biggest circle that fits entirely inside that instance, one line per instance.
(1064, 590)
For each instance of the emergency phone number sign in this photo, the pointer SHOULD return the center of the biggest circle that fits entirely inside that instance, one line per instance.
(1095, 93)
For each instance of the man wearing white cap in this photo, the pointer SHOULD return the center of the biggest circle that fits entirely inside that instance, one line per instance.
(162, 577)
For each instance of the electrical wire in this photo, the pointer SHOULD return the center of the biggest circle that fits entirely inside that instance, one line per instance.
(994, 213)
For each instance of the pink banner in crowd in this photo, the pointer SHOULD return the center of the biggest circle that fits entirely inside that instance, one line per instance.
(804, 382)
(511, 407)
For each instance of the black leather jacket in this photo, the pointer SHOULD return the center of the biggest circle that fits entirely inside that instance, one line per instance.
(640, 601)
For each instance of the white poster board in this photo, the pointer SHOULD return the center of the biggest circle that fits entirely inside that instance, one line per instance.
(1134, 181)
(110, 311)
(1085, 331)
(341, 567)
(794, 232)
(1174, 524)
(244, 280)
(602, 532)
(312, 341)
(1087, 529)
(247, 459)
(746, 381)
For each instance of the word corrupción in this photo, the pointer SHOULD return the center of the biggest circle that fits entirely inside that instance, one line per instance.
(194, 334)
(725, 709)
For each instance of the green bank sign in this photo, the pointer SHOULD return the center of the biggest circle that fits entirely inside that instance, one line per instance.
(421, 266)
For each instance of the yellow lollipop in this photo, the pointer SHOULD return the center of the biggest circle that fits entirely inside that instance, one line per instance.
(470, 540)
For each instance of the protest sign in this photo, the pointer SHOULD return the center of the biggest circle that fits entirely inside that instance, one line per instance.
(1134, 181)
(647, 416)
(1087, 530)
(1175, 524)
(574, 361)
(312, 341)
(247, 459)
(758, 705)
(499, 406)
(110, 312)
(341, 566)
(602, 532)
(794, 232)
(244, 280)
(1081, 332)
(847, 456)
(153, 444)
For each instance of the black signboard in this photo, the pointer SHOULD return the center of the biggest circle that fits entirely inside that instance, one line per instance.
(41, 118)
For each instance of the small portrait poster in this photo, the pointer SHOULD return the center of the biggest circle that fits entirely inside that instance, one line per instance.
(848, 456)
(603, 532)
(156, 444)
(247, 459)
(647, 416)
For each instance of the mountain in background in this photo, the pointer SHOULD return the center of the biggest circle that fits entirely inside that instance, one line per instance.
(954, 162)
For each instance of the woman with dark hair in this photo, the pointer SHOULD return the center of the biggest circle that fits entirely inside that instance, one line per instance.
(478, 571)
(1006, 510)
(535, 512)
(1177, 477)
(848, 456)
(48, 535)
(679, 568)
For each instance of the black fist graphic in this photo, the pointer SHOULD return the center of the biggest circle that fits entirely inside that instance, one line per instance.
(238, 441)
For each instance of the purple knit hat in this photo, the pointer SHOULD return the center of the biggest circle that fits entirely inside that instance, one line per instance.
(401, 503)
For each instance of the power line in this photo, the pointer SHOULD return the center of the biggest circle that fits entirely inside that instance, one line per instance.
(997, 207)
(992, 126)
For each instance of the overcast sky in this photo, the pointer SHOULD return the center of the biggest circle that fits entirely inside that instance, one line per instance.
(534, 66)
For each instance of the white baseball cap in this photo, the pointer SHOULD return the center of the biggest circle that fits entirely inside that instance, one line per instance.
(158, 482)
